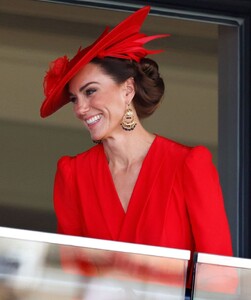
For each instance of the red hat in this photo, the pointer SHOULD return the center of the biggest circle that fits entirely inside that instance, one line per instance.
(124, 41)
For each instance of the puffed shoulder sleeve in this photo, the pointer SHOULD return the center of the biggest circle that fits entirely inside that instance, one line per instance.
(66, 202)
(205, 204)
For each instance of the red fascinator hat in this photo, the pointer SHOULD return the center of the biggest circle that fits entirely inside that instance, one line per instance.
(124, 41)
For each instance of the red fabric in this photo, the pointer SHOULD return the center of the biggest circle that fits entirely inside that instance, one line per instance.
(176, 202)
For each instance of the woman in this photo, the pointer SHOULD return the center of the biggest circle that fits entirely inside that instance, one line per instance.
(133, 186)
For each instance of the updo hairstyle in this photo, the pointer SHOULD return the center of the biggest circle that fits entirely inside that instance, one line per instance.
(149, 86)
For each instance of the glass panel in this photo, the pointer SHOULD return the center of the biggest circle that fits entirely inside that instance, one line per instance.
(41, 269)
(33, 33)
(226, 278)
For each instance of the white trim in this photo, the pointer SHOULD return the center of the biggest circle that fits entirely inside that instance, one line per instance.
(221, 260)
(37, 236)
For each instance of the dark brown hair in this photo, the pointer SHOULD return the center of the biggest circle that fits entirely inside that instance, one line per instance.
(149, 86)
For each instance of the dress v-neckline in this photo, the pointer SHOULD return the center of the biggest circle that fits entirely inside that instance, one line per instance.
(116, 219)
(137, 182)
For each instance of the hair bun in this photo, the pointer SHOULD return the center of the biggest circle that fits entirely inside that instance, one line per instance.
(149, 68)
(149, 87)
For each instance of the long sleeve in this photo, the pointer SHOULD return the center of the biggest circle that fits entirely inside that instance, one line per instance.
(66, 203)
(205, 204)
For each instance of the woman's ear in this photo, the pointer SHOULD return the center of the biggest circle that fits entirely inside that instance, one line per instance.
(129, 89)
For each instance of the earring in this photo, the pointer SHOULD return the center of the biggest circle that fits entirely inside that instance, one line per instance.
(128, 122)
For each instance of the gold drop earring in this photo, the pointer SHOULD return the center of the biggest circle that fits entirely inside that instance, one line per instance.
(128, 123)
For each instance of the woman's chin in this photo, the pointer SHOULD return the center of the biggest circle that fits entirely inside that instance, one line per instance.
(96, 138)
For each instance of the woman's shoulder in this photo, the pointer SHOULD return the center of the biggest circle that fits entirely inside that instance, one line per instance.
(188, 152)
(67, 161)
(170, 143)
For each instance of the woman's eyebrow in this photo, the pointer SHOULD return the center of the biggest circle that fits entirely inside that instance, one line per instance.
(86, 85)
(83, 87)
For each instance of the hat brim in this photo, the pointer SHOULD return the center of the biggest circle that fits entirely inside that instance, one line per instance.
(58, 96)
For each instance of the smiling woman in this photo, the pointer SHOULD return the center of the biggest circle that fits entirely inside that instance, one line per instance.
(99, 101)
(104, 89)
(134, 186)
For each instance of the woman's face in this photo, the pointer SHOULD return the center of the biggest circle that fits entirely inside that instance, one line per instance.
(99, 102)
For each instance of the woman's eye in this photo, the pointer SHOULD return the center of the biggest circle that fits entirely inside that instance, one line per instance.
(89, 92)
(73, 99)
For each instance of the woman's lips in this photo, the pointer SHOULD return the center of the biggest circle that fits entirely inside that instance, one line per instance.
(93, 120)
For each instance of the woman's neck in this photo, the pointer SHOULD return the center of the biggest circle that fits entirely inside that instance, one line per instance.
(128, 148)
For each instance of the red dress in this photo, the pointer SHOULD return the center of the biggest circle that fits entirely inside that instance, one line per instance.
(176, 202)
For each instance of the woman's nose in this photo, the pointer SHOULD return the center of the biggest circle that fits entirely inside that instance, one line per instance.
(81, 107)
